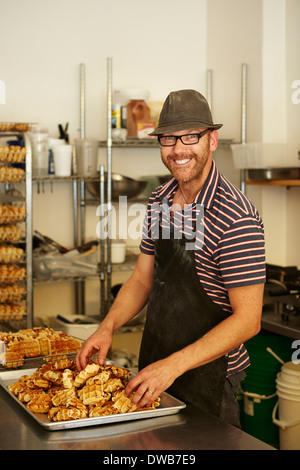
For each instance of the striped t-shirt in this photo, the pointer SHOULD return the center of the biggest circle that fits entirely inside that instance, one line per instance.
(229, 247)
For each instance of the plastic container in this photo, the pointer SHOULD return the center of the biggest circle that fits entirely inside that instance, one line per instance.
(130, 110)
(259, 386)
(257, 416)
(53, 142)
(68, 264)
(138, 118)
(62, 155)
(118, 251)
(40, 150)
(265, 155)
(86, 157)
(288, 406)
(80, 331)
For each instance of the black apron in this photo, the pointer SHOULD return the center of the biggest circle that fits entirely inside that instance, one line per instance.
(179, 313)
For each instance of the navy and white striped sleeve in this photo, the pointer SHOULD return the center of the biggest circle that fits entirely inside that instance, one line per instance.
(147, 242)
(241, 253)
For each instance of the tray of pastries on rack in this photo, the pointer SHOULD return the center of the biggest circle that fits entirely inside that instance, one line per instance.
(10, 213)
(14, 126)
(10, 253)
(34, 342)
(10, 273)
(10, 174)
(11, 311)
(12, 293)
(12, 153)
(10, 233)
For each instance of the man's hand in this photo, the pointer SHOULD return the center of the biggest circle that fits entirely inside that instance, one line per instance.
(151, 381)
(98, 342)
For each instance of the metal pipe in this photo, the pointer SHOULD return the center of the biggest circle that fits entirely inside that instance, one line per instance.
(79, 287)
(244, 104)
(75, 213)
(29, 273)
(102, 245)
(82, 210)
(75, 239)
(81, 284)
(209, 87)
(243, 123)
(109, 164)
(82, 101)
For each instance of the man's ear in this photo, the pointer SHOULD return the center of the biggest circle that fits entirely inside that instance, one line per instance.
(214, 136)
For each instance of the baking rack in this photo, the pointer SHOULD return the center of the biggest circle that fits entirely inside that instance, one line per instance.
(33, 362)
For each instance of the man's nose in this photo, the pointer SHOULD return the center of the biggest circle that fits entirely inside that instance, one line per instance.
(179, 147)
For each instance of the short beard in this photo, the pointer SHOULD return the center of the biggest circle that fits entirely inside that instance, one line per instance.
(196, 172)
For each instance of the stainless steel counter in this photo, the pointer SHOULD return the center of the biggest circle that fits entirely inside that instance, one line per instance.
(273, 322)
(191, 429)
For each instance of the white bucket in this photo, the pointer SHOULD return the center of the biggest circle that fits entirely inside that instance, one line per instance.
(288, 392)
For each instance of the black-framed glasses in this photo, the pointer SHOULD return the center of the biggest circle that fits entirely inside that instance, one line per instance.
(186, 139)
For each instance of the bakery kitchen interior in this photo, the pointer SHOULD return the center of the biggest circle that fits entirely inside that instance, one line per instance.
(82, 85)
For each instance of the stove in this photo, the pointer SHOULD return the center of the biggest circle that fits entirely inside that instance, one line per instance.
(282, 291)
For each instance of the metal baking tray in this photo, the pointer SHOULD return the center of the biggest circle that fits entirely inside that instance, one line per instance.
(169, 405)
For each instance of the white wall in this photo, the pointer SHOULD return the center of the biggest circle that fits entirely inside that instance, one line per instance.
(235, 37)
(158, 46)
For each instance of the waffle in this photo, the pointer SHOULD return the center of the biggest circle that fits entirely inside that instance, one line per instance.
(105, 410)
(76, 403)
(100, 378)
(118, 371)
(54, 376)
(68, 378)
(62, 364)
(40, 404)
(123, 404)
(89, 371)
(26, 396)
(26, 347)
(61, 397)
(70, 413)
(112, 385)
(17, 387)
(40, 382)
(92, 394)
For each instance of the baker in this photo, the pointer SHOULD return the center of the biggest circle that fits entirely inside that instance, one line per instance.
(201, 270)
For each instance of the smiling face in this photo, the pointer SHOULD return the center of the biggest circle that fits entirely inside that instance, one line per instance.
(190, 163)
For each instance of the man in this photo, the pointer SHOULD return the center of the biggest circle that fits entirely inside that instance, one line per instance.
(205, 298)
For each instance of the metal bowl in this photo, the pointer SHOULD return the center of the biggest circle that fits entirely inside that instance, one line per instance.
(120, 186)
(274, 174)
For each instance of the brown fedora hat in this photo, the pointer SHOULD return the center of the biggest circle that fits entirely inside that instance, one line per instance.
(182, 110)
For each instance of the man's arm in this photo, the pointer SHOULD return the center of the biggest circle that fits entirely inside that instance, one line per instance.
(244, 323)
(130, 300)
